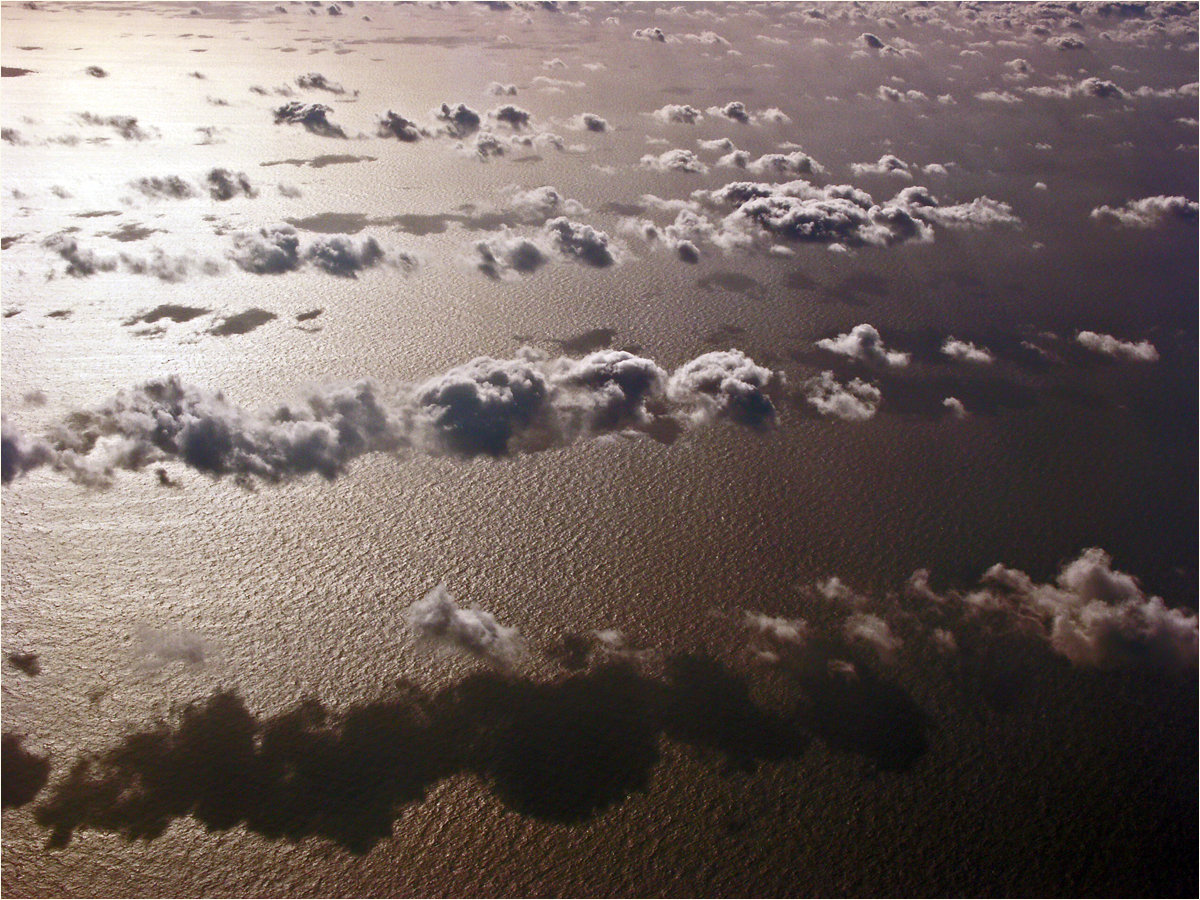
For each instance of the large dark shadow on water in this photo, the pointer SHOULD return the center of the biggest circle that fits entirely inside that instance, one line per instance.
(560, 751)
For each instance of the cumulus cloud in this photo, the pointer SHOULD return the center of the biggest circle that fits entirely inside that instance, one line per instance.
(1149, 212)
(1093, 615)
(222, 184)
(512, 116)
(676, 114)
(650, 34)
(507, 254)
(485, 407)
(1108, 345)
(955, 407)
(314, 117)
(393, 124)
(589, 122)
(886, 165)
(965, 351)
(1088, 87)
(777, 165)
(896, 96)
(854, 401)
(736, 111)
(168, 186)
(875, 633)
(458, 121)
(126, 126)
(315, 81)
(577, 241)
(864, 343)
(272, 250)
(726, 383)
(438, 619)
(676, 160)
(496, 89)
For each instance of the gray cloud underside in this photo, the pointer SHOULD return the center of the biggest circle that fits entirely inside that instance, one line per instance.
(486, 407)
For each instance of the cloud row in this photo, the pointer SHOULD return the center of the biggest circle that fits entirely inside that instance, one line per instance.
(486, 407)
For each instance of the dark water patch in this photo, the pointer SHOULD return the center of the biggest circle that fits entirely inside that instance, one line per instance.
(333, 223)
(29, 48)
(560, 751)
(58, 314)
(623, 209)
(172, 311)
(25, 662)
(319, 162)
(735, 282)
(588, 341)
(97, 213)
(723, 334)
(962, 282)
(800, 280)
(527, 159)
(856, 289)
(241, 323)
(9, 313)
(421, 225)
(307, 316)
(8, 240)
(14, 72)
(924, 396)
(131, 232)
(22, 773)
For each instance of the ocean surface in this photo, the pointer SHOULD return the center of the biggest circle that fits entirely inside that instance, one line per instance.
(695, 659)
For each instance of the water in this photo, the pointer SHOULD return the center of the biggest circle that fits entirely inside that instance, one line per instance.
(319, 749)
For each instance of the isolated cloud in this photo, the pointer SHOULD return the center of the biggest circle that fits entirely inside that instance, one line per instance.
(736, 111)
(874, 632)
(589, 122)
(1087, 87)
(126, 126)
(313, 116)
(965, 351)
(650, 34)
(496, 89)
(676, 114)
(315, 81)
(863, 342)
(507, 252)
(1108, 345)
(439, 619)
(1149, 212)
(772, 165)
(577, 241)
(854, 401)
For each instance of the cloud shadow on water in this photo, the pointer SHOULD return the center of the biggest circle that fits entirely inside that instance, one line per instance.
(561, 751)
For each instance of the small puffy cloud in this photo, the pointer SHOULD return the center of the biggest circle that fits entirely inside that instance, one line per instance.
(314, 117)
(650, 34)
(555, 85)
(1149, 212)
(965, 351)
(496, 89)
(514, 117)
(773, 165)
(1066, 42)
(277, 249)
(725, 383)
(126, 126)
(893, 95)
(458, 121)
(1088, 87)
(955, 407)
(886, 165)
(169, 186)
(1108, 345)
(393, 124)
(854, 401)
(315, 81)
(736, 111)
(873, 632)
(222, 184)
(998, 97)
(872, 41)
(677, 114)
(536, 205)
(677, 160)
(589, 122)
(19, 454)
(580, 242)
(864, 343)
(507, 254)
(719, 145)
(437, 618)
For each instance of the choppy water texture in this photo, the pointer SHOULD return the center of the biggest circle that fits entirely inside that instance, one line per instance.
(775, 623)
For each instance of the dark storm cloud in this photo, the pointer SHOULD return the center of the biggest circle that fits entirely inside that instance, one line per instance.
(459, 121)
(1149, 212)
(313, 116)
(676, 114)
(438, 619)
(486, 407)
